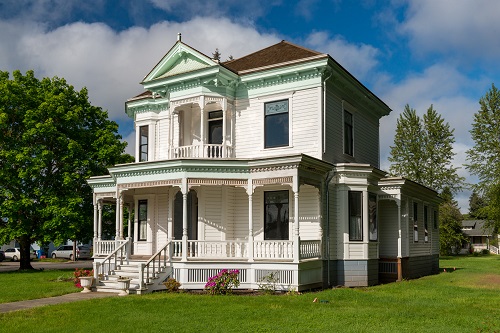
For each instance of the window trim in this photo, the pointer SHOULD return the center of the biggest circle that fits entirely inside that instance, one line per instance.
(265, 116)
(360, 216)
(142, 145)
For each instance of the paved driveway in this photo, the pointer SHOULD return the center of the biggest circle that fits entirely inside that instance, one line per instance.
(6, 266)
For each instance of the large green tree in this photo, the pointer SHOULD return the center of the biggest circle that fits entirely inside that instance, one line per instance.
(451, 236)
(51, 140)
(423, 150)
(484, 156)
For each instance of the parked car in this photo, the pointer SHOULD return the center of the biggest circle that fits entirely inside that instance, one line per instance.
(2, 256)
(66, 251)
(14, 254)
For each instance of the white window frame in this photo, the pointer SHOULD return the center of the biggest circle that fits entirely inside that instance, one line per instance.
(274, 98)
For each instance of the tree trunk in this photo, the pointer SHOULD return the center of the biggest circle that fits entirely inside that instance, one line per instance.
(24, 261)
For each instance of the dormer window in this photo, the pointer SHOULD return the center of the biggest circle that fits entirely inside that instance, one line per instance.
(143, 143)
(276, 124)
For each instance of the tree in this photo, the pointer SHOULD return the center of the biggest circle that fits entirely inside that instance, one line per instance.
(51, 140)
(216, 55)
(451, 236)
(423, 150)
(484, 156)
(477, 207)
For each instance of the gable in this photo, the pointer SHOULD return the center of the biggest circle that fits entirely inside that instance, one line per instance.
(181, 58)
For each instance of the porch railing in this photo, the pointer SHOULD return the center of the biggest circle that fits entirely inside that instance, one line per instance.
(310, 249)
(106, 247)
(109, 263)
(267, 249)
(211, 151)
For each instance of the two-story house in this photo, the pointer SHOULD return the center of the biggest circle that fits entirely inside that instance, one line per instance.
(267, 164)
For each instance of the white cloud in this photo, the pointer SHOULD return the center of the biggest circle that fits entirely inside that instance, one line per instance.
(460, 28)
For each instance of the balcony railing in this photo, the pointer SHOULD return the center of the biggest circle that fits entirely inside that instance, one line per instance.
(202, 151)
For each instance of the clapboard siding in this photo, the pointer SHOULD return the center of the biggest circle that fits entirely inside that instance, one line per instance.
(303, 117)
(309, 213)
(162, 221)
(388, 228)
(240, 213)
(420, 247)
(212, 213)
(162, 139)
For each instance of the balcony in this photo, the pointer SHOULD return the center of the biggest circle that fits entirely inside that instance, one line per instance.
(209, 151)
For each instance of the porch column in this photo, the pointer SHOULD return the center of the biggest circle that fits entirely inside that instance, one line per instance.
(184, 191)
(250, 220)
(121, 216)
(129, 221)
(400, 252)
(224, 116)
(99, 222)
(117, 221)
(296, 227)
(96, 218)
(202, 126)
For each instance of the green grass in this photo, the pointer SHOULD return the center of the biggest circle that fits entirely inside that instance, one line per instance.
(23, 285)
(463, 300)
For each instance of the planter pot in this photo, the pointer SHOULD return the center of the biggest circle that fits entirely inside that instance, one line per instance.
(123, 285)
(86, 282)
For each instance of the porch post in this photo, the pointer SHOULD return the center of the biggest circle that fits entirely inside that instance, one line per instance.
(296, 227)
(117, 221)
(224, 116)
(121, 216)
(129, 221)
(99, 222)
(250, 220)
(400, 252)
(184, 191)
(96, 218)
(202, 125)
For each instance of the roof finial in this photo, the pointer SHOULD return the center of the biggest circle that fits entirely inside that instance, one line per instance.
(179, 37)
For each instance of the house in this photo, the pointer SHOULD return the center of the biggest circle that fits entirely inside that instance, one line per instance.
(267, 164)
(479, 236)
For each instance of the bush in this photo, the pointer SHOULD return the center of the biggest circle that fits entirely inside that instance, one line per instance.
(223, 283)
(172, 285)
(485, 251)
(268, 283)
(79, 272)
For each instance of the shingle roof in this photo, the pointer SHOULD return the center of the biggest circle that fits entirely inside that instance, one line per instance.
(281, 52)
(478, 228)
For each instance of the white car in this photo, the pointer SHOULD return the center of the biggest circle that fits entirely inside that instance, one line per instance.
(14, 254)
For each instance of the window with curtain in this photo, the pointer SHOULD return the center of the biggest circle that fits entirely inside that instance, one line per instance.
(143, 219)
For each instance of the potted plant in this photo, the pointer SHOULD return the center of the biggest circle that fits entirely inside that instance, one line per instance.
(123, 285)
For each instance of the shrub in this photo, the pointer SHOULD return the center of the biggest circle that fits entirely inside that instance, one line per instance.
(485, 251)
(223, 282)
(172, 285)
(268, 283)
(79, 272)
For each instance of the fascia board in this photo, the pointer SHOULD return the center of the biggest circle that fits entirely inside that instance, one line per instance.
(272, 71)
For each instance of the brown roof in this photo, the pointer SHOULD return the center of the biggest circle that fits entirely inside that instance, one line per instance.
(272, 55)
(145, 94)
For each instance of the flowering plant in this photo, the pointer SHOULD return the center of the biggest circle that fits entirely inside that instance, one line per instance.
(78, 273)
(223, 282)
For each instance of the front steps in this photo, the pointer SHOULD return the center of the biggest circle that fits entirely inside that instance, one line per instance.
(132, 271)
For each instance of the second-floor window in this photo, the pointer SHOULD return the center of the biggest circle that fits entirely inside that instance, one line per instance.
(143, 143)
(348, 139)
(215, 127)
(276, 124)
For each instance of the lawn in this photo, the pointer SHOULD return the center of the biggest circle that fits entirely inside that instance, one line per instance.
(465, 298)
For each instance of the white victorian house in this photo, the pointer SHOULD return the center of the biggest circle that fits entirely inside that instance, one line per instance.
(266, 164)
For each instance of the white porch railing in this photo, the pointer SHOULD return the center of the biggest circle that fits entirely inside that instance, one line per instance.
(267, 249)
(156, 264)
(211, 151)
(106, 247)
(115, 258)
(494, 249)
(310, 249)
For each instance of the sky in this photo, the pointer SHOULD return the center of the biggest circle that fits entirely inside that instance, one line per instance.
(418, 52)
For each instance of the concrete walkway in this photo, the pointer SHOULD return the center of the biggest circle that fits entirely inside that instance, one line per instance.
(22, 305)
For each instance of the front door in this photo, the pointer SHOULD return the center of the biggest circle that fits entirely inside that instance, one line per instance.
(192, 215)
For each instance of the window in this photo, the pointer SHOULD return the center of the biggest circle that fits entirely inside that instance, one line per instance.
(435, 220)
(426, 232)
(415, 222)
(276, 210)
(143, 219)
(215, 127)
(372, 211)
(276, 124)
(143, 143)
(348, 141)
(355, 216)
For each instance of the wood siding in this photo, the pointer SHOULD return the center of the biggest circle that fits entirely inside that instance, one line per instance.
(388, 228)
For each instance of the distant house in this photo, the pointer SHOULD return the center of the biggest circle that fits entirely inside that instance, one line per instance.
(479, 236)
(267, 164)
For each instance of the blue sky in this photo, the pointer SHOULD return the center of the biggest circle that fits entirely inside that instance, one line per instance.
(416, 52)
